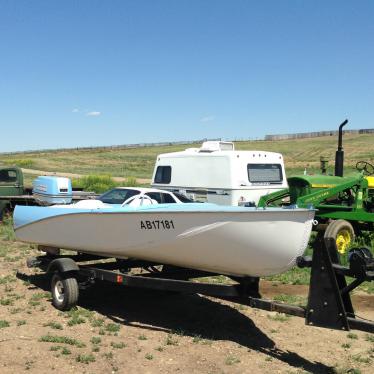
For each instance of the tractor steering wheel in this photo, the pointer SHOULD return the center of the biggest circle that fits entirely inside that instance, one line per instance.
(365, 167)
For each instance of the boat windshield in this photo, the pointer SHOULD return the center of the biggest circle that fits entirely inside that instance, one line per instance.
(117, 195)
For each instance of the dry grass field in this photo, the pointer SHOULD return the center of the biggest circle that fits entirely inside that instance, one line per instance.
(139, 162)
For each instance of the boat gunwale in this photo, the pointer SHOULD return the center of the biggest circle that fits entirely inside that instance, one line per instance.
(103, 212)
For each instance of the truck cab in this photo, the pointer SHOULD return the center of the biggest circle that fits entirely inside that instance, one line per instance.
(219, 174)
(11, 184)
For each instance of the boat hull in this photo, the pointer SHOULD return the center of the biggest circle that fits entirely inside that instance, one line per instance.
(243, 242)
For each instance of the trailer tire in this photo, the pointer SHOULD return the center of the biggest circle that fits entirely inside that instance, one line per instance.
(343, 234)
(65, 291)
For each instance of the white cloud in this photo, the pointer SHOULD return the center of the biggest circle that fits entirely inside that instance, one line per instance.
(207, 119)
(75, 110)
(93, 114)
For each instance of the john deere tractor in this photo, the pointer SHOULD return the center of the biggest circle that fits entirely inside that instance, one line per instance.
(345, 205)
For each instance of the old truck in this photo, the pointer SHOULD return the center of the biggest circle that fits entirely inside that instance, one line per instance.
(345, 205)
(45, 190)
(12, 189)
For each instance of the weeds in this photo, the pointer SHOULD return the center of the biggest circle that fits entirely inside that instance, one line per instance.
(352, 335)
(54, 325)
(290, 299)
(109, 355)
(369, 338)
(78, 316)
(118, 345)
(65, 351)
(37, 297)
(85, 359)
(97, 322)
(95, 340)
(280, 317)
(7, 232)
(4, 323)
(6, 301)
(7, 279)
(170, 340)
(112, 327)
(231, 360)
(95, 183)
(197, 339)
(361, 359)
(61, 340)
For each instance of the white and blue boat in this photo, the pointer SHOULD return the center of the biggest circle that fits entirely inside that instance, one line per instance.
(228, 240)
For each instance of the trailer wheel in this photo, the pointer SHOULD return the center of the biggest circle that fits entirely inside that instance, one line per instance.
(343, 233)
(65, 291)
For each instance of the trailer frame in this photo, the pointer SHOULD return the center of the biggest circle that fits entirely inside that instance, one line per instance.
(329, 303)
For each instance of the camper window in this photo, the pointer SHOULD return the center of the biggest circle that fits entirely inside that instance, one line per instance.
(265, 173)
(163, 174)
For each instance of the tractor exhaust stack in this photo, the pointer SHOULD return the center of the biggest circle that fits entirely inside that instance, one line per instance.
(339, 155)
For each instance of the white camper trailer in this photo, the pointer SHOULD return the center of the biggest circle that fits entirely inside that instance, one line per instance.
(216, 173)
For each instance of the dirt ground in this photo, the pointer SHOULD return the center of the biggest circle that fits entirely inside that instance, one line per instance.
(119, 330)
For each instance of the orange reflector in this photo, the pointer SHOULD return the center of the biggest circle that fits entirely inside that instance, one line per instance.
(119, 278)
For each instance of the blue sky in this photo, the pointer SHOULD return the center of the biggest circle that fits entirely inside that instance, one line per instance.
(84, 73)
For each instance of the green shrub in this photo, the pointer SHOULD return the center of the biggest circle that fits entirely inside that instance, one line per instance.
(85, 359)
(21, 162)
(112, 327)
(6, 229)
(4, 323)
(130, 182)
(95, 183)
(61, 340)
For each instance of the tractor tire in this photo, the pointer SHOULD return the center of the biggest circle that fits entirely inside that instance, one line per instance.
(343, 233)
(65, 291)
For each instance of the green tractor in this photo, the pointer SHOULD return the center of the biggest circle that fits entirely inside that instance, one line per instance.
(345, 205)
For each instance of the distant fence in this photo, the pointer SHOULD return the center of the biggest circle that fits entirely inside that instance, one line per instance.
(316, 134)
(109, 147)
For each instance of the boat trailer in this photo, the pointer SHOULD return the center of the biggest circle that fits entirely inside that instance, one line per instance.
(329, 303)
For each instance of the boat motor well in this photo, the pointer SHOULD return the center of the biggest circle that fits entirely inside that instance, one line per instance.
(217, 173)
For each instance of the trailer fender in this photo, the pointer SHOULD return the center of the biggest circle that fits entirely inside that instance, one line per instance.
(62, 265)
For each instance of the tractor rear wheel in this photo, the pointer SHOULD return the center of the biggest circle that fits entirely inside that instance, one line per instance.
(343, 233)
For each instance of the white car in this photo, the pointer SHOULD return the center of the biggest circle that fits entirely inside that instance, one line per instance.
(141, 196)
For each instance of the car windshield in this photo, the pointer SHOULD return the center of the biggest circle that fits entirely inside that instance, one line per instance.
(117, 195)
(183, 198)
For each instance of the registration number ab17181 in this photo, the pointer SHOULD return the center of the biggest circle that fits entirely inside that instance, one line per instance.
(157, 225)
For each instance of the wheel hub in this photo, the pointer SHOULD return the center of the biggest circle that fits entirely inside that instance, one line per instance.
(59, 291)
(343, 240)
